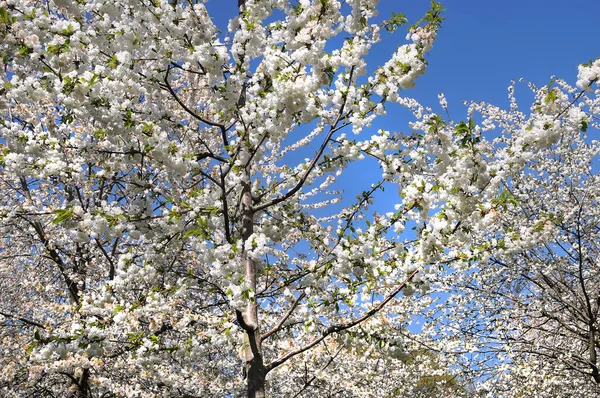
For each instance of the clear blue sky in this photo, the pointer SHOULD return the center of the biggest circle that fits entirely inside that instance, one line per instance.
(482, 46)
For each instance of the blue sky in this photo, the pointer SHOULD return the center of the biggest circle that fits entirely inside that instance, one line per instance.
(482, 46)
(485, 44)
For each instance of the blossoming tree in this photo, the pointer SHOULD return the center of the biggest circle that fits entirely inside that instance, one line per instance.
(171, 209)
(528, 312)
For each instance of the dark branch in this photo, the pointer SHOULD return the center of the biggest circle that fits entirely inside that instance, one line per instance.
(344, 326)
(23, 320)
(315, 159)
(191, 112)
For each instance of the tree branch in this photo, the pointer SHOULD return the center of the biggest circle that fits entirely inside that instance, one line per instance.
(315, 159)
(23, 320)
(191, 112)
(344, 326)
(285, 317)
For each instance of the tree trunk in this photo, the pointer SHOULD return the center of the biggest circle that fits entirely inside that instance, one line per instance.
(255, 367)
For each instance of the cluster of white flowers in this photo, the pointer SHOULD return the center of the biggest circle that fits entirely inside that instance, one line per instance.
(588, 74)
(172, 205)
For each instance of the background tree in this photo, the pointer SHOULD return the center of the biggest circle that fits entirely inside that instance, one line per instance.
(529, 315)
(171, 199)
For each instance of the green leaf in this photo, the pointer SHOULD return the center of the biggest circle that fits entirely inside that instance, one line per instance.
(4, 152)
(93, 80)
(404, 68)
(69, 31)
(6, 17)
(24, 51)
(200, 232)
(213, 210)
(550, 97)
(113, 62)
(100, 134)
(30, 347)
(436, 123)
(330, 72)
(433, 17)
(297, 8)
(57, 49)
(584, 124)
(62, 215)
(128, 119)
(395, 22)
(147, 128)
(68, 85)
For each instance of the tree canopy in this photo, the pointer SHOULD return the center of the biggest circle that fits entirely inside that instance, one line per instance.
(174, 223)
